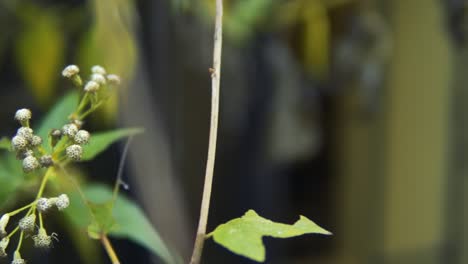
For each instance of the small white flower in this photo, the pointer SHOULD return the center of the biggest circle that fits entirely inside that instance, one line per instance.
(36, 141)
(62, 202)
(113, 79)
(25, 132)
(23, 115)
(27, 223)
(42, 240)
(82, 137)
(19, 143)
(30, 163)
(70, 130)
(43, 204)
(99, 78)
(70, 71)
(3, 245)
(91, 87)
(46, 161)
(17, 259)
(22, 154)
(74, 152)
(98, 69)
(3, 223)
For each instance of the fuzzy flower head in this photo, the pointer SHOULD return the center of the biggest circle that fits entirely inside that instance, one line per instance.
(17, 259)
(74, 152)
(19, 143)
(3, 223)
(22, 154)
(30, 163)
(113, 79)
(98, 69)
(43, 204)
(82, 137)
(42, 240)
(70, 71)
(99, 78)
(36, 141)
(46, 161)
(23, 115)
(3, 245)
(62, 202)
(70, 130)
(91, 87)
(27, 223)
(25, 132)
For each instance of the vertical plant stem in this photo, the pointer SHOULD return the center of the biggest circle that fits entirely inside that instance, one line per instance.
(215, 81)
(110, 250)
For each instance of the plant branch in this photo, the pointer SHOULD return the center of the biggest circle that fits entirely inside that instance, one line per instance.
(109, 249)
(215, 81)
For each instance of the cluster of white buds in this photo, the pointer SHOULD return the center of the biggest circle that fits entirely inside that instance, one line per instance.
(3, 223)
(99, 77)
(25, 142)
(61, 202)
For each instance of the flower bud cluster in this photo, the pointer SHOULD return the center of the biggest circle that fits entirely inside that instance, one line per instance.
(61, 202)
(25, 143)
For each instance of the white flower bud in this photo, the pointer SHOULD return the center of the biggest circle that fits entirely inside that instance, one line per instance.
(98, 69)
(42, 240)
(46, 161)
(3, 223)
(43, 204)
(99, 78)
(36, 141)
(70, 130)
(82, 137)
(22, 154)
(19, 143)
(91, 87)
(23, 115)
(27, 223)
(3, 245)
(74, 152)
(30, 163)
(25, 132)
(113, 79)
(62, 202)
(17, 259)
(70, 71)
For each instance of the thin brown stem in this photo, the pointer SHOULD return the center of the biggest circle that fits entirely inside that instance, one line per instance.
(215, 81)
(110, 250)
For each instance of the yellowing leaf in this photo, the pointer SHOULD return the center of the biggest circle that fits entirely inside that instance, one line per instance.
(244, 235)
(40, 52)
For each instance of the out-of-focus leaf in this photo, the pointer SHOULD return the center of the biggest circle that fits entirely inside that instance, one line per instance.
(11, 177)
(110, 42)
(103, 220)
(127, 220)
(244, 235)
(101, 141)
(40, 52)
(57, 116)
(5, 143)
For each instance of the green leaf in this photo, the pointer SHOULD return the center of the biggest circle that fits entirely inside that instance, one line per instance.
(126, 220)
(57, 116)
(243, 235)
(5, 143)
(101, 141)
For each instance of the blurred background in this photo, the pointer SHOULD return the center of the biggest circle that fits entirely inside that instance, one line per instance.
(350, 112)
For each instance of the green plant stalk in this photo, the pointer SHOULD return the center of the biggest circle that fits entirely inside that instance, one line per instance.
(215, 84)
(109, 249)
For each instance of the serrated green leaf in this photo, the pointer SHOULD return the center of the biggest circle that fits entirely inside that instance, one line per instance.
(57, 116)
(127, 220)
(5, 143)
(244, 235)
(101, 141)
